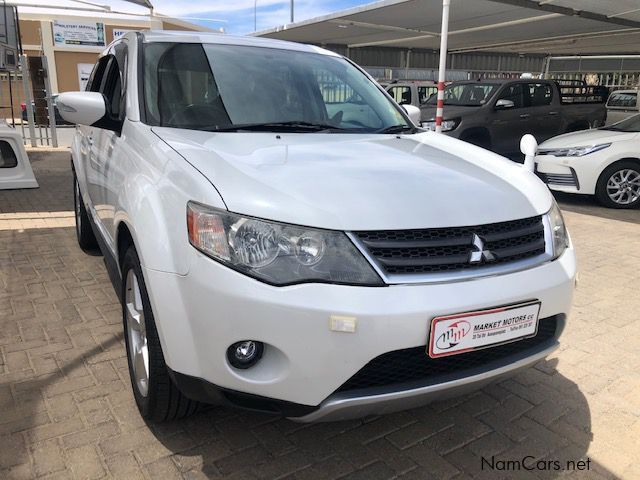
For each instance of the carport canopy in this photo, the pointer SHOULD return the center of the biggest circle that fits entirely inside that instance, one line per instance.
(516, 26)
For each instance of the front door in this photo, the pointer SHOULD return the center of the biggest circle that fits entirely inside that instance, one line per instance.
(510, 124)
(106, 142)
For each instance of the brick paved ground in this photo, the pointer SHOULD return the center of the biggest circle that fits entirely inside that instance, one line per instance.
(66, 409)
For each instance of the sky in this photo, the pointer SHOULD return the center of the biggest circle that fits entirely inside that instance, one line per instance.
(235, 16)
(238, 15)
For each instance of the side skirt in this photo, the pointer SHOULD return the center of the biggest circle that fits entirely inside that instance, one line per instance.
(110, 261)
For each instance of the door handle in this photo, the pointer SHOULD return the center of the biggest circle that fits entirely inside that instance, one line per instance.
(525, 115)
(553, 113)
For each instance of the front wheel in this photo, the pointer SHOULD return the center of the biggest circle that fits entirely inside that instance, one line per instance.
(619, 185)
(157, 398)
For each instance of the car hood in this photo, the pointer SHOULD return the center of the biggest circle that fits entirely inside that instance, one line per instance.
(361, 182)
(450, 112)
(587, 137)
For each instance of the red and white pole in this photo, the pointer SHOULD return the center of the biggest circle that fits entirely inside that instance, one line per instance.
(444, 33)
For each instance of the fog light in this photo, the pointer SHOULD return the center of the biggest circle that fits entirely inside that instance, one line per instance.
(245, 354)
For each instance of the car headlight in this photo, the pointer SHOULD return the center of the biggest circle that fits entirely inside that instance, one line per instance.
(573, 151)
(559, 234)
(447, 125)
(276, 253)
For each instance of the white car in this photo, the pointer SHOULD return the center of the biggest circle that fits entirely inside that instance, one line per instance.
(276, 257)
(604, 162)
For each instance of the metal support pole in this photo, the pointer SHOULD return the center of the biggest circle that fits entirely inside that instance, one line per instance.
(255, 15)
(50, 107)
(27, 99)
(444, 33)
(291, 11)
(547, 62)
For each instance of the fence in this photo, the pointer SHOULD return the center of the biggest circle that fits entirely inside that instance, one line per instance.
(21, 110)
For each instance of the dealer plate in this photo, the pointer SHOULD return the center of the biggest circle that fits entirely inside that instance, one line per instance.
(465, 332)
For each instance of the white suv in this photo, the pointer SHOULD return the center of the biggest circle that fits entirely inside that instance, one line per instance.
(283, 238)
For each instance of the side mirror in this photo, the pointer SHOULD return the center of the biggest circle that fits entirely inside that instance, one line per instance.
(414, 113)
(503, 104)
(528, 147)
(83, 108)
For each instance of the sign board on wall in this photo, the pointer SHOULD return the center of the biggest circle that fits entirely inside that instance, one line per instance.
(78, 34)
(118, 32)
(84, 72)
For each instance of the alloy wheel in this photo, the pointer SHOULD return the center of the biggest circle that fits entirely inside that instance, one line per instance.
(623, 186)
(137, 333)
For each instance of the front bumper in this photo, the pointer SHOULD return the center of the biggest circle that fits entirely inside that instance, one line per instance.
(569, 174)
(200, 314)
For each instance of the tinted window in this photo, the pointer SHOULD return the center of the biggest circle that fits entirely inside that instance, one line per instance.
(112, 88)
(515, 93)
(8, 157)
(425, 92)
(97, 75)
(402, 95)
(539, 94)
(619, 99)
(466, 94)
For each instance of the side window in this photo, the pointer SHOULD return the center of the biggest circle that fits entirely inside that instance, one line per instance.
(540, 94)
(8, 157)
(111, 88)
(97, 75)
(623, 100)
(402, 95)
(425, 92)
(515, 93)
(121, 54)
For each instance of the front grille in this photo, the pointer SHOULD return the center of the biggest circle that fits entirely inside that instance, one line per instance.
(414, 364)
(436, 250)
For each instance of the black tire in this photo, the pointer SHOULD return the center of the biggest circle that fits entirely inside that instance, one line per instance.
(84, 232)
(602, 192)
(163, 401)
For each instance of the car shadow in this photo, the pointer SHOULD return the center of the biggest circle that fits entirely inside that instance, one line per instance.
(587, 205)
(539, 415)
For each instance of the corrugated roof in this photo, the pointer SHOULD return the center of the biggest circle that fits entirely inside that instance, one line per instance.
(521, 26)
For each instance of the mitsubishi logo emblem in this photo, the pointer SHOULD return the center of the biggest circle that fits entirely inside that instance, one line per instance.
(480, 253)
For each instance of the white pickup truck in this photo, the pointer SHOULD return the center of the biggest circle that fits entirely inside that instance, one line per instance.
(621, 105)
(320, 263)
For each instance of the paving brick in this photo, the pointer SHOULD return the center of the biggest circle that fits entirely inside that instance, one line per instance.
(47, 458)
(85, 462)
(124, 466)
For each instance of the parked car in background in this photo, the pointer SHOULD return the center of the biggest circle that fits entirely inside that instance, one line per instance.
(58, 117)
(411, 92)
(622, 104)
(319, 263)
(604, 162)
(495, 114)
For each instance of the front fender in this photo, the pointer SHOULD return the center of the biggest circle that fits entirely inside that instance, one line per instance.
(153, 205)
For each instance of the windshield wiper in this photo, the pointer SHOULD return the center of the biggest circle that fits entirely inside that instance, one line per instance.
(292, 126)
(396, 129)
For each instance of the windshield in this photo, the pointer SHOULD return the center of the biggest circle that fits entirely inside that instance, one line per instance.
(466, 94)
(631, 124)
(229, 87)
